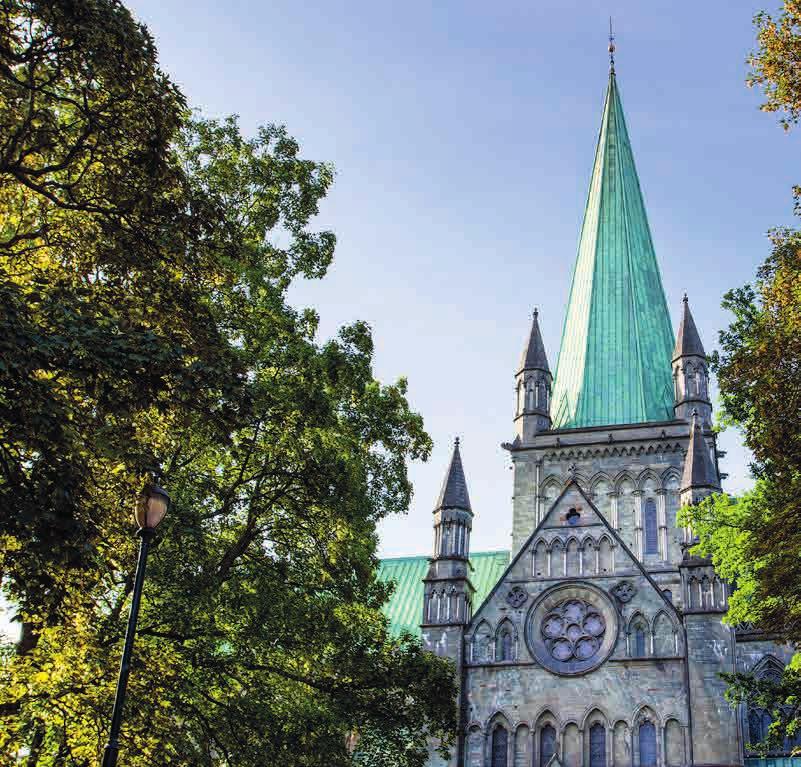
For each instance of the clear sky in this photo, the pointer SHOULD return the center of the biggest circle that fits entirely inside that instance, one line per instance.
(463, 135)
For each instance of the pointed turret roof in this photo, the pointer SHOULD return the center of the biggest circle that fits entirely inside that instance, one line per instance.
(688, 342)
(614, 360)
(534, 357)
(699, 469)
(454, 489)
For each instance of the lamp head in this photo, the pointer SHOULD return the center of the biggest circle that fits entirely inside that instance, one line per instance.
(151, 507)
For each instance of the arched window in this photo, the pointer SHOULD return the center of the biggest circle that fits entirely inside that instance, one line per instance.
(597, 745)
(758, 724)
(503, 650)
(668, 595)
(651, 536)
(547, 744)
(639, 641)
(500, 747)
(647, 744)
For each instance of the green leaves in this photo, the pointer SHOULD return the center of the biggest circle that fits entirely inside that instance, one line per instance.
(144, 263)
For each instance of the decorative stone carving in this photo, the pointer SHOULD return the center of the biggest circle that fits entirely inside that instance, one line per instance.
(517, 596)
(624, 591)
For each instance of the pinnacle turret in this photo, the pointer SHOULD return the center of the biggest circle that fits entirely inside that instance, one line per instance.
(453, 494)
(700, 476)
(690, 371)
(448, 593)
(533, 387)
(534, 356)
(688, 342)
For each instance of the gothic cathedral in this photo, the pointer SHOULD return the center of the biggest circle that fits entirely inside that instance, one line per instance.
(602, 642)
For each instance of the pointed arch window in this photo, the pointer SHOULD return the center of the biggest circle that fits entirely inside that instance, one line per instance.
(651, 534)
(500, 747)
(647, 744)
(597, 745)
(639, 641)
(547, 744)
(505, 648)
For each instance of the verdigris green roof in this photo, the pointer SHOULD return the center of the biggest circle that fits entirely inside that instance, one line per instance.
(614, 361)
(405, 606)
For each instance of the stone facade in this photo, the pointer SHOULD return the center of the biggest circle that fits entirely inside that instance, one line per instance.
(603, 643)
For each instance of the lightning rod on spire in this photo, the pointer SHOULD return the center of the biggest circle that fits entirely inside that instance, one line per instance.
(611, 48)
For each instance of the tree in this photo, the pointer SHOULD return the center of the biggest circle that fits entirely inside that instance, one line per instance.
(145, 329)
(755, 541)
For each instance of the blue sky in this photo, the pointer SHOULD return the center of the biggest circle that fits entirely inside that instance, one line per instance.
(463, 135)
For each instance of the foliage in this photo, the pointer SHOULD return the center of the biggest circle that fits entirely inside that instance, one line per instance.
(755, 542)
(779, 698)
(145, 329)
(776, 65)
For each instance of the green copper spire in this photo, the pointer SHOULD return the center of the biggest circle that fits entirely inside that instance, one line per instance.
(614, 361)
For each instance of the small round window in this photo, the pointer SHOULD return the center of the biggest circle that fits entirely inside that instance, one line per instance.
(573, 517)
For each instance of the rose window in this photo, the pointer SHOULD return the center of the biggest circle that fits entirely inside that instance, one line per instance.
(573, 629)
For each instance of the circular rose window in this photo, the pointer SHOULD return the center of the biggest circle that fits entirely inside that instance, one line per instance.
(571, 629)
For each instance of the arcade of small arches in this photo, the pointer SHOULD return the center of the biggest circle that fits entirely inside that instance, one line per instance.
(557, 557)
(447, 604)
(597, 740)
(658, 637)
(641, 508)
(533, 393)
(706, 592)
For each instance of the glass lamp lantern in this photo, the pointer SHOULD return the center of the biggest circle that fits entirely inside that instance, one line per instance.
(151, 507)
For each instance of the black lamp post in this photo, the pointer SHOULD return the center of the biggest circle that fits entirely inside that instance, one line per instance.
(150, 510)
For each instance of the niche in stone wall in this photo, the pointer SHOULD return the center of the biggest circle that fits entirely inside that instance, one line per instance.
(621, 747)
(605, 562)
(674, 744)
(599, 492)
(573, 557)
(571, 752)
(475, 748)
(588, 557)
(625, 510)
(522, 746)
(664, 636)
(482, 643)
(557, 558)
(541, 560)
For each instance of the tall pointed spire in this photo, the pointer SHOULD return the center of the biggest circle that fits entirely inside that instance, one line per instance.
(534, 357)
(454, 489)
(614, 361)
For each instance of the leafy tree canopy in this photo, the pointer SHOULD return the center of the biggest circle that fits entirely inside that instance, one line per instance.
(755, 542)
(145, 261)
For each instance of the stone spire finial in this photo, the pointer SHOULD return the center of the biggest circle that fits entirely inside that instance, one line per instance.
(688, 341)
(534, 356)
(453, 494)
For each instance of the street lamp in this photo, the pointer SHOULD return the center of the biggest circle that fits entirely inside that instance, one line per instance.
(151, 507)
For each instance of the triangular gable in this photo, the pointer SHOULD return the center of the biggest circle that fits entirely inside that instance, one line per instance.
(548, 522)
